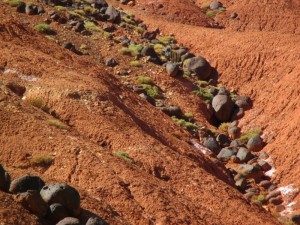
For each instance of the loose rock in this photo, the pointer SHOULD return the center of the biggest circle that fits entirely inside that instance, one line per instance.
(215, 5)
(69, 221)
(26, 183)
(95, 221)
(244, 154)
(57, 212)
(225, 154)
(200, 67)
(255, 144)
(172, 69)
(212, 144)
(113, 14)
(4, 179)
(111, 62)
(223, 106)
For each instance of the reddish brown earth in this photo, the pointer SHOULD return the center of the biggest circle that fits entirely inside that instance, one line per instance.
(170, 182)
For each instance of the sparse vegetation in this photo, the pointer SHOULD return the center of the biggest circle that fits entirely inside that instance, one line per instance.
(166, 40)
(206, 96)
(210, 13)
(60, 8)
(42, 161)
(260, 199)
(14, 3)
(221, 10)
(90, 26)
(43, 28)
(223, 128)
(136, 63)
(58, 124)
(158, 48)
(246, 136)
(125, 156)
(144, 80)
(133, 50)
(90, 10)
(205, 5)
(185, 124)
(38, 103)
(152, 91)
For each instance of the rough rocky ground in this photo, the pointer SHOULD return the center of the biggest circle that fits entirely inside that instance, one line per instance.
(169, 183)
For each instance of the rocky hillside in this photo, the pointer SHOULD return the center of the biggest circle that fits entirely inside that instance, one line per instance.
(124, 114)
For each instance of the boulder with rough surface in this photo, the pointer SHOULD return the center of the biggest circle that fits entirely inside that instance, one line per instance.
(25, 183)
(244, 154)
(223, 107)
(57, 212)
(225, 154)
(212, 144)
(63, 194)
(255, 144)
(200, 67)
(95, 221)
(172, 69)
(113, 14)
(4, 179)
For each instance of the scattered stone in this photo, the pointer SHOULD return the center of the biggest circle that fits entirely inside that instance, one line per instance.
(32, 201)
(26, 183)
(40, 10)
(108, 27)
(236, 143)
(98, 4)
(172, 111)
(243, 102)
(273, 194)
(212, 144)
(238, 114)
(147, 98)
(233, 15)
(296, 219)
(276, 201)
(149, 51)
(255, 144)
(222, 105)
(21, 7)
(241, 183)
(272, 187)
(225, 154)
(215, 5)
(200, 67)
(223, 140)
(63, 194)
(31, 9)
(150, 35)
(57, 212)
(249, 195)
(16, 88)
(264, 165)
(279, 208)
(244, 154)
(250, 171)
(263, 155)
(172, 69)
(111, 62)
(265, 184)
(4, 179)
(234, 132)
(113, 14)
(69, 221)
(95, 221)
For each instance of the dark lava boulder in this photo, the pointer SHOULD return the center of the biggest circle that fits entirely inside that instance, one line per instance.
(255, 144)
(113, 14)
(225, 154)
(4, 179)
(200, 67)
(16, 88)
(57, 212)
(95, 221)
(223, 107)
(212, 144)
(172, 69)
(32, 201)
(63, 194)
(26, 183)
(244, 154)
(31, 9)
(69, 221)
(111, 62)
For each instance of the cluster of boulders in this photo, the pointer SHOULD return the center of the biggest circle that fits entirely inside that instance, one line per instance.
(57, 203)
(30, 8)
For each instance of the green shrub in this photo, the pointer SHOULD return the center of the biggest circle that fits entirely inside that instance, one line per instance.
(189, 115)
(260, 199)
(185, 124)
(223, 128)
(60, 8)
(210, 13)
(221, 10)
(58, 124)
(138, 29)
(90, 26)
(125, 156)
(90, 10)
(246, 136)
(158, 48)
(14, 3)
(144, 80)
(136, 63)
(43, 28)
(133, 50)
(152, 91)
(206, 96)
(166, 40)
(42, 161)
(38, 103)
(205, 5)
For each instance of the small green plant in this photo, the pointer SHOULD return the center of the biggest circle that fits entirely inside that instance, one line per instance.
(166, 40)
(144, 80)
(60, 8)
(206, 96)
(205, 5)
(210, 13)
(42, 161)
(138, 29)
(14, 3)
(38, 103)
(90, 10)
(127, 20)
(76, 14)
(185, 124)
(90, 26)
(260, 200)
(221, 10)
(152, 91)
(189, 115)
(246, 136)
(125, 156)
(43, 28)
(136, 63)
(158, 48)
(58, 124)
(223, 128)
(133, 50)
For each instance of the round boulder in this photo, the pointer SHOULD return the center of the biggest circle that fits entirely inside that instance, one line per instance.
(244, 154)
(215, 5)
(223, 106)
(212, 144)
(113, 14)
(32, 201)
(95, 221)
(69, 221)
(255, 144)
(225, 154)
(243, 102)
(200, 67)
(26, 183)
(57, 212)
(4, 179)
(63, 194)
(172, 69)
